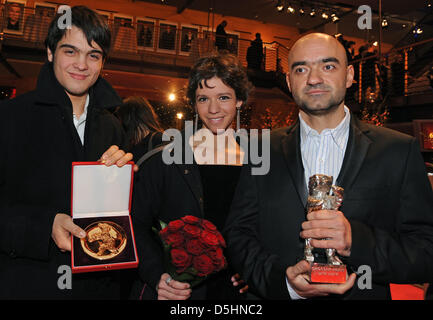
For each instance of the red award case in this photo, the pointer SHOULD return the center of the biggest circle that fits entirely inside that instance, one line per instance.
(101, 206)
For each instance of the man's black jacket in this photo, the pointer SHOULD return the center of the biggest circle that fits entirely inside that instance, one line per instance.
(39, 142)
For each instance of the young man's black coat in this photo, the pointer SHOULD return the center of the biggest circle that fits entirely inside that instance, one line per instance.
(39, 142)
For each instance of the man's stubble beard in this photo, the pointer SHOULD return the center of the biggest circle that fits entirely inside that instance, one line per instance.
(330, 106)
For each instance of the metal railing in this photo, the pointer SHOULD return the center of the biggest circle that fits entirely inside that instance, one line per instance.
(147, 37)
(400, 72)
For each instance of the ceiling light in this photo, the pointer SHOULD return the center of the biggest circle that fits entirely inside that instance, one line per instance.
(334, 18)
(301, 12)
(290, 9)
(384, 23)
(280, 6)
(325, 15)
(313, 12)
(417, 30)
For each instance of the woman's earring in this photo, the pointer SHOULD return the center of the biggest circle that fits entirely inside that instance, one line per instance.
(238, 118)
(195, 122)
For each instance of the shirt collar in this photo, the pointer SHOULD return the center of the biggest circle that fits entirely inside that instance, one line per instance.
(83, 116)
(339, 133)
(87, 103)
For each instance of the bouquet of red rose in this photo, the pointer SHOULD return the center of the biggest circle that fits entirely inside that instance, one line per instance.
(193, 249)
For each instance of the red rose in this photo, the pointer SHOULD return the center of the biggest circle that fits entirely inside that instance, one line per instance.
(217, 256)
(175, 225)
(194, 246)
(223, 263)
(174, 239)
(191, 219)
(209, 238)
(221, 240)
(209, 226)
(192, 231)
(163, 234)
(180, 259)
(203, 264)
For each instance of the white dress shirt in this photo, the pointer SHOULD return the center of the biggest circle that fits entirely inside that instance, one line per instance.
(322, 154)
(80, 123)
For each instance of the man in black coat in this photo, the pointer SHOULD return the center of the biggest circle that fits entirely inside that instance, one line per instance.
(42, 133)
(255, 53)
(221, 36)
(385, 223)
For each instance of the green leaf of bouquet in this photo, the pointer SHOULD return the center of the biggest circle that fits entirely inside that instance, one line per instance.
(184, 277)
(193, 280)
(191, 270)
(167, 249)
(162, 224)
(197, 281)
(156, 231)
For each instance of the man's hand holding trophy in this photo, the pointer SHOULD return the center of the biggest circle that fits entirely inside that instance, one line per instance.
(322, 195)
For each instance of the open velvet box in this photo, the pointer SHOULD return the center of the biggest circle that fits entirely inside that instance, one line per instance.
(100, 205)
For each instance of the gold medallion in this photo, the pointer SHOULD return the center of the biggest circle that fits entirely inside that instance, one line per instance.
(104, 240)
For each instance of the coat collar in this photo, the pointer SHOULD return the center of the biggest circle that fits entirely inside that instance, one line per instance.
(292, 153)
(50, 91)
(356, 150)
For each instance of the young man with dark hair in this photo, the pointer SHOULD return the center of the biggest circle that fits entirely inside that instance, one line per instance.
(42, 132)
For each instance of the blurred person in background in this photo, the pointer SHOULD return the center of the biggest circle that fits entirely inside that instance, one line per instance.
(141, 125)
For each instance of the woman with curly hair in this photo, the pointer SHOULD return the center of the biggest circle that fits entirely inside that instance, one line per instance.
(217, 88)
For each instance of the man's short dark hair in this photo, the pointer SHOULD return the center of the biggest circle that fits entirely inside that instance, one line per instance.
(225, 66)
(89, 22)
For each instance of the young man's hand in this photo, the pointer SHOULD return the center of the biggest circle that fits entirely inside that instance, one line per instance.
(116, 156)
(63, 228)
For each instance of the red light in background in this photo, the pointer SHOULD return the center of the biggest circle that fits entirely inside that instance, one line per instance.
(7, 92)
(427, 132)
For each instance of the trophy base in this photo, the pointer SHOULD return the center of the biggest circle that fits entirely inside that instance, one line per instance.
(325, 273)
